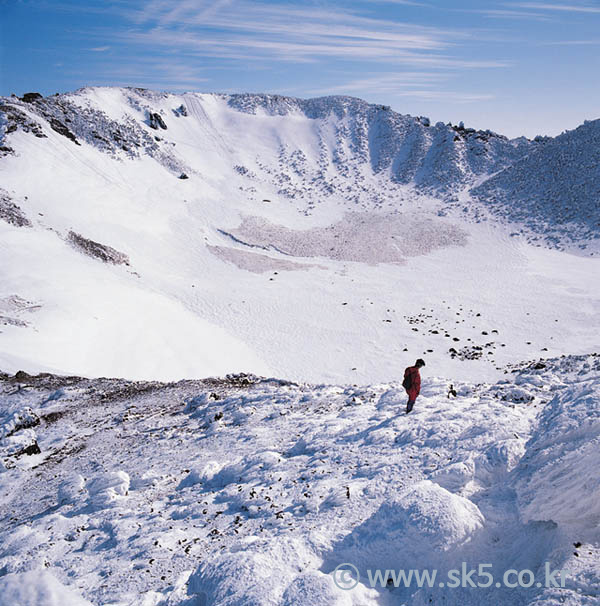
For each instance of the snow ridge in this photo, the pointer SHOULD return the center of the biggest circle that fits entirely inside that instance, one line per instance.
(550, 186)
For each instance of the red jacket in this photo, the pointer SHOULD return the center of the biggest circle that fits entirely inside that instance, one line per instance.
(415, 381)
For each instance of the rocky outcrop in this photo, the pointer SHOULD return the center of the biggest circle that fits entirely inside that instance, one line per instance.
(10, 212)
(17, 119)
(156, 121)
(105, 253)
(31, 97)
(61, 129)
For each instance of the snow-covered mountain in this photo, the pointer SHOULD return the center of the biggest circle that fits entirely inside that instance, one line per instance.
(325, 244)
(323, 240)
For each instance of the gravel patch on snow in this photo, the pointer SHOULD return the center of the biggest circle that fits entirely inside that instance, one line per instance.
(255, 262)
(364, 237)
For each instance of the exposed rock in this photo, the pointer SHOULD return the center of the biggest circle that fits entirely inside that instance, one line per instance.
(23, 419)
(99, 251)
(31, 97)
(61, 129)
(10, 212)
(156, 121)
(8, 321)
(16, 119)
(183, 176)
(181, 111)
(32, 449)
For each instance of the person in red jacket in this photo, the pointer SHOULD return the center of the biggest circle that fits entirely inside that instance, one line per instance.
(412, 383)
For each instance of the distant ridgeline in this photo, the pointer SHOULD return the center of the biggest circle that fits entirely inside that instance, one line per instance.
(549, 186)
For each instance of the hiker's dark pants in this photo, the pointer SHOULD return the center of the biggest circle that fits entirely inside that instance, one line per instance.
(409, 406)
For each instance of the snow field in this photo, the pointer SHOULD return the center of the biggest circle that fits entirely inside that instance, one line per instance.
(336, 179)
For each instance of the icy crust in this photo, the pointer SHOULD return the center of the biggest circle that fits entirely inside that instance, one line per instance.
(246, 490)
(351, 239)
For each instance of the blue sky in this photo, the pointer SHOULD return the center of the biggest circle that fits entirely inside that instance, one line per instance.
(517, 67)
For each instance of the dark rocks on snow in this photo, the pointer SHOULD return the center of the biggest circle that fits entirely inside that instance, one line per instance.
(181, 111)
(183, 176)
(242, 379)
(32, 449)
(24, 419)
(31, 97)
(8, 321)
(472, 352)
(99, 251)
(156, 121)
(21, 375)
(61, 129)
(17, 119)
(11, 213)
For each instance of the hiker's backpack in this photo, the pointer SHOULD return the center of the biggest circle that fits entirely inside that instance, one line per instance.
(407, 383)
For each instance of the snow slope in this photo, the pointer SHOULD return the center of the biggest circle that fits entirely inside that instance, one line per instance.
(561, 180)
(252, 491)
(314, 240)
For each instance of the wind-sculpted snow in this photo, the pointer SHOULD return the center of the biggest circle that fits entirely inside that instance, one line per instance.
(37, 588)
(245, 490)
(555, 483)
(554, 192)
(352, 238)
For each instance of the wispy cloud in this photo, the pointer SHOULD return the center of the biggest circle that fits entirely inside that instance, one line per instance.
(267, 35)
(99, 49)
(570, 8)
(247, 30)
(417, 85)
(571, 43)
(384, 83)
(149, 72)
(509, 14)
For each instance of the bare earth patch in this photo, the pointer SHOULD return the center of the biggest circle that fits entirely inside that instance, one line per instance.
(105, 253)
(364, 237)
(255, 262)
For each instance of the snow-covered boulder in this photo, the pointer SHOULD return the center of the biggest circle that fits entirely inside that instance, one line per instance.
(455, 476)
(315, 588)
(17, 421)
(200, 475)
(37, 588)
(254, 573)
(108, 487)
(416, 529)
